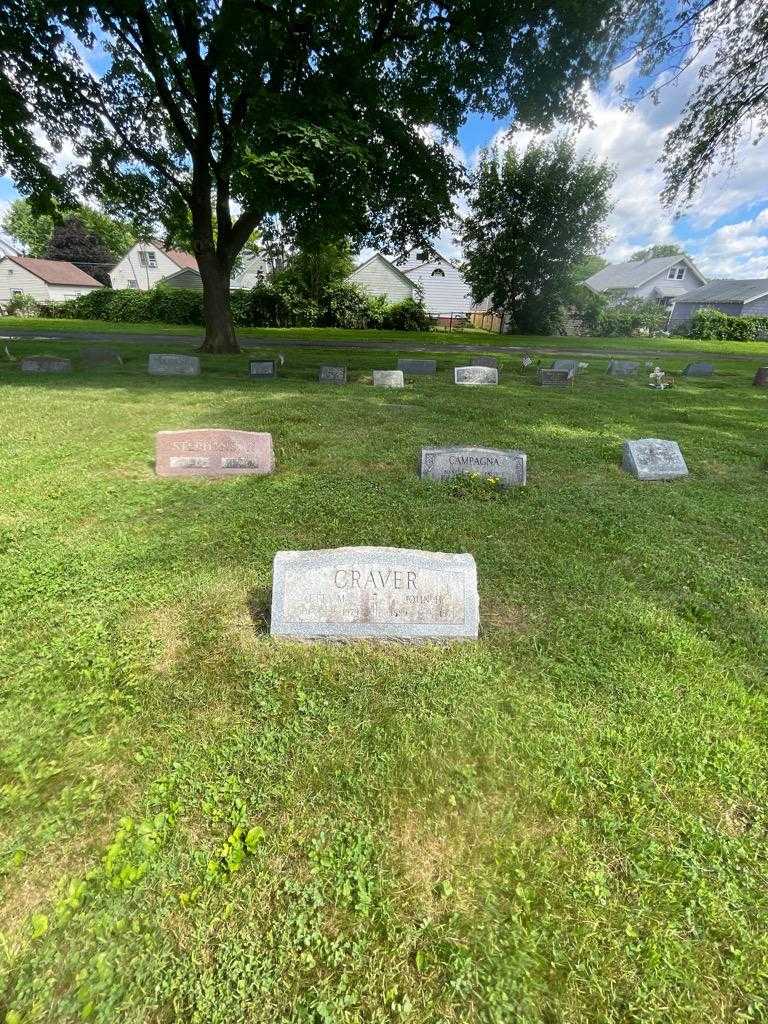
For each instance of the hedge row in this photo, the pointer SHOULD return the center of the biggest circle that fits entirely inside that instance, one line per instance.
(712, 325)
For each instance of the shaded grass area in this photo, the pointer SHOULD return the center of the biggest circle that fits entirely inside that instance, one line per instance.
(562, 822)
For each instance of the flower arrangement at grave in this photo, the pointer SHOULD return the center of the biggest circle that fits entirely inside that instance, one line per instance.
(659, 380)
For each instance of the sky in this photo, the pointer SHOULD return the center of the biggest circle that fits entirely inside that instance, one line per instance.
(726, 228)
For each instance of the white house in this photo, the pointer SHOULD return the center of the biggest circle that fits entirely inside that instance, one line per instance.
(147, 264)
(251, 270)
(440, 282)
(663, 278)
(45, 280)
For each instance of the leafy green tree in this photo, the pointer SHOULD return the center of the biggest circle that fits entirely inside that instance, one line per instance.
(533, 217)
(74, 242)
(330, 116)
(588, 266)
(315, 269)
(33, 229)
(654, 251)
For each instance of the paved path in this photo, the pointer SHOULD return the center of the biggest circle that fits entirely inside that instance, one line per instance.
(382, 346)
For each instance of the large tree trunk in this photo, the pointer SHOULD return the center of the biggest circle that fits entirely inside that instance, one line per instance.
(219, 331)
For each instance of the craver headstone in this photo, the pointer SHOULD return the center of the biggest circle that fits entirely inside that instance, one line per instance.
(475, 375)
(416, 367)
(570, 366)
(388, 379)
(553, 378)
(95, 357)
(45, 364)
(332, 375)
(166, 364)
(622, 368)
(213, 453)
(445, 463)
(491, 361)
(699, 370)
(761, 378)
(378, 593)
(261, 369)
(650, 458)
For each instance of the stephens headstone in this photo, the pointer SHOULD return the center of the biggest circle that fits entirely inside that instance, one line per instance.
(375, 593)
(333, 375)
(445, 463)
(261, 369)
(213, 453)
(699, 370)
(491, 361)
(761, 378)
(45, 364)
(651, 458)
(388, 379)
(475, 375)
(553, 378)
(165, 364)
(570, 366)
(417, 367)
(622, 368)
(95, 357)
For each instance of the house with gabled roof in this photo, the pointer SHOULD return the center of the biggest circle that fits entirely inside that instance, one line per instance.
(663, 278)
(438, 280)
(735, 297)
(44, 280)
(146, 264)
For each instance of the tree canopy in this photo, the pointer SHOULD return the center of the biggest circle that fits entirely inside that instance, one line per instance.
(34, 229)
(74, 242)
(654, 251)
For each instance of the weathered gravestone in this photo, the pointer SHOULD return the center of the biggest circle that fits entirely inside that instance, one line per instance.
(92, 358)
(213, 453)
(166, 364)
(475, 375)
(506, 465)
(622, 368)
(261, 369)
(553, 378)
(417, 367)
(46, 364)
(651, 458)
(761, 378)
(699, 370)
(333, 375)
(570, 366)
(491, 361)
(378, 593)
(388, 379)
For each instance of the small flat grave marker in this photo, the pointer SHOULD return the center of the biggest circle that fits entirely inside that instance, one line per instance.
(551, 378)
(491, 361)
(761, 378)
(261, 369)
(95, 357)
(651, 458)
(360, 593)
(388, 379)
(167, 364)
(699, 370)
(46, 364)
(213, 453)
(445, 463)
(417, 367)
(332, 375)
(475, 375)
(622, 368)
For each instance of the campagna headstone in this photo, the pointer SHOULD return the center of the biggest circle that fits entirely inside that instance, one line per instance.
(96, 357)
(506, 465)
(491, 361)
(332, 375)
(475, 375)
(388, 379)
(699, 370)
(622, 368)
(167, 364)
(261, 369)
(570, 366)
(360, 593)
(417, 367)
(761, 378)
(550, 378)
(213, 453)
(651, 458)
(45, 364)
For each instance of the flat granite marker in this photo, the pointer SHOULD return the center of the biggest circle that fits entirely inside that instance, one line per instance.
(622, 368)
(388, 379)
(761, 378)
(445, 463)
(332, 375)
(699, 370)
(262, 369)
(95, 357)
(374, 593)
(213, 453)
(475, 375)
(553, 378)
(45, 364)
(651, 458)
(491, 361)
(418, 367)
(167, 364)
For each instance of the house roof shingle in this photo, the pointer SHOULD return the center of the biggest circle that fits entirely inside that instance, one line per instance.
(56, 271)
(182, 259)
(728, 291)
(631, 274)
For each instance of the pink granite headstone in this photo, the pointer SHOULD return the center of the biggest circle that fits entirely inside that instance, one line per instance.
(213, 453)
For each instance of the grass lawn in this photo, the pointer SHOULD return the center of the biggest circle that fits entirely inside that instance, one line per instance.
(563, 822)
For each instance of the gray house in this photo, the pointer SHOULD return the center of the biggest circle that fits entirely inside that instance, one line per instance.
(737, 298)
(663, 278)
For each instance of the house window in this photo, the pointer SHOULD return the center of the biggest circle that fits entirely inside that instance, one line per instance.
(148, 259)
(16, 291)
(132, 283)
(437, 272)
(676, 273)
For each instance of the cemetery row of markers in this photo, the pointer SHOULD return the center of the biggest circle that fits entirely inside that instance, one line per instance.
(380, 593)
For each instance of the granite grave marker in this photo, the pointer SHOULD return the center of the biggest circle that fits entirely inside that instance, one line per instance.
(651, 458)
(475, 375)
(388, 379)
(167, 364)
(417, 367)
(550, 378)
(491, 361)
(261, 369)
(213, 453)
(761, 378)
(333, 375)
(45, 364)
(507, 465)
(622, 368)
(570, 366)
(96, 357)
(699, 370)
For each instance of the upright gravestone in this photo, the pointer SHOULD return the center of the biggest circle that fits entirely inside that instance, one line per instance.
(388, 379)
(699, 370)
(360, 593)
(622, 368)
(261, 369)
(213, 453)
(93, 358)
(45, 364)
(166, 364)
(417, 367)
(553, 378)
(570, 366)
(475, 375)
(491, 361)
(333, 375)
(508, 466)
(651, 458)
(761, 378)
